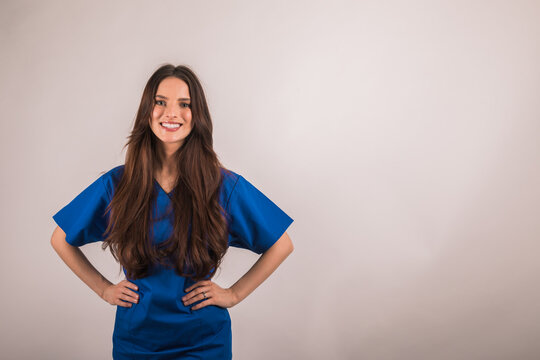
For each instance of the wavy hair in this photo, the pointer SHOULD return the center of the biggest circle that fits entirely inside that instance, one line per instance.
(199, 238)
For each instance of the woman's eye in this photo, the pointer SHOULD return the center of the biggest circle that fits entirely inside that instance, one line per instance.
(184, 105)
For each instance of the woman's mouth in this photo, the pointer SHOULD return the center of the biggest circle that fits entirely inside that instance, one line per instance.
(170, 126)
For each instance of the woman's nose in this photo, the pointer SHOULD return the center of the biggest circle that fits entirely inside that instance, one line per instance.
(171, 112)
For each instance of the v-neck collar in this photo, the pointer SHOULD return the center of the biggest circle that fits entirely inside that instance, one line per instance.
(162, 190)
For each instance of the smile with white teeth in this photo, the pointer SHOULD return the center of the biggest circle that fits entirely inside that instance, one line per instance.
(170, 125)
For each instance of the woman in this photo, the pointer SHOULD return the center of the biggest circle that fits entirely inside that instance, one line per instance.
(168, 215)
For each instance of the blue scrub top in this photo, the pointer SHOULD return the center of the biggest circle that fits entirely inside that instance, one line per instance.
(159, 326)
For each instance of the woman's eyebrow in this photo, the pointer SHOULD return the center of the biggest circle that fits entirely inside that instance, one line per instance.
(166, 98)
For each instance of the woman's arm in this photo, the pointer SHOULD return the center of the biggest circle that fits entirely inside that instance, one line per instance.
(78, 262)
(267, 263)
(121, 294)
(228, 297)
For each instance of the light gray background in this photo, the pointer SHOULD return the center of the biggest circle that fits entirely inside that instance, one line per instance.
(402, 137)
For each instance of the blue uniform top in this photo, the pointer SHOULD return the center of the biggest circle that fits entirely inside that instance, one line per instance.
(160, 326)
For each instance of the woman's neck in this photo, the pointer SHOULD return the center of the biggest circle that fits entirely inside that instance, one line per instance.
(168, 167)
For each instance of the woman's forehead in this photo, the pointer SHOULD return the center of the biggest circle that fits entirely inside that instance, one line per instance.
(173, 86)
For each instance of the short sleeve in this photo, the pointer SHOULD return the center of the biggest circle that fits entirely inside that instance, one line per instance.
(84, 220)
(256, 222)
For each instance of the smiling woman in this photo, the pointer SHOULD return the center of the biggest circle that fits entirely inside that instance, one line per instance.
(172, 112)
(168, 216)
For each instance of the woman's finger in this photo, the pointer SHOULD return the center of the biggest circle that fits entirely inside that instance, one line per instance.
(130, 293)
(202, 304)
(129, 298)
(208, 294)
(196, 292)
(197, 284)
(130, 285)
(123, 303)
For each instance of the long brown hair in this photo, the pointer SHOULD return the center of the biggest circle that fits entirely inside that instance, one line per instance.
(199, 238)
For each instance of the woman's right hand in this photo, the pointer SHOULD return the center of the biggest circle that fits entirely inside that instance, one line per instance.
(121, 294)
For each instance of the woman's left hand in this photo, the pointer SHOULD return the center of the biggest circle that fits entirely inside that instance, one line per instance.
(215, 295)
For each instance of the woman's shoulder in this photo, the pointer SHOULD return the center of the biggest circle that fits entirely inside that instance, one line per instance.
(114, 174)
(230, 178)
(116, 171)
(228, 183)
(229, 175)
(111, 178)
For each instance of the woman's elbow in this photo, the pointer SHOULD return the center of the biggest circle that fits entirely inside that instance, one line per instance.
(288, 243)
(58, 237)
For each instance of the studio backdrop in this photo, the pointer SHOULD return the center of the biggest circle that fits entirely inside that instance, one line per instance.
(402, 137)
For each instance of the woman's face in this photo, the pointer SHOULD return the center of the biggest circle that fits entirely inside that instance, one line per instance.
(171, 116)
